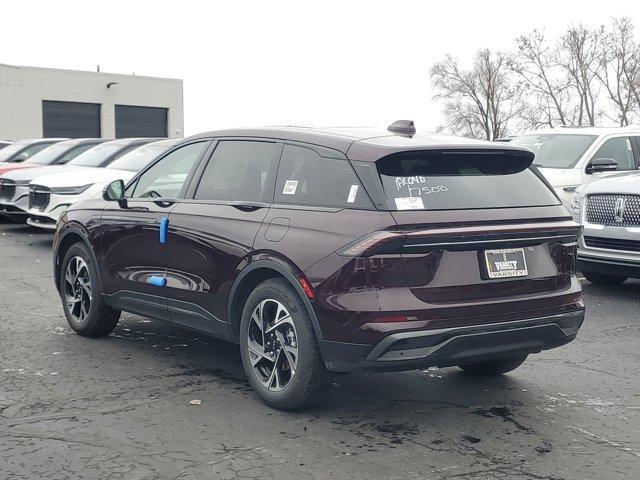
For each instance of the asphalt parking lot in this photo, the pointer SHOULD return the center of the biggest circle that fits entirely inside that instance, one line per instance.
(119, 407)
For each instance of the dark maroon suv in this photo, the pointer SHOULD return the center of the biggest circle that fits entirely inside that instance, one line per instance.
(322, 251)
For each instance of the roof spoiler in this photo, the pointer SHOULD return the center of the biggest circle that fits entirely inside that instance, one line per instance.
(403, 127)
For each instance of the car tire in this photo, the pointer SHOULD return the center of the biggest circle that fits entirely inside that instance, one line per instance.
(602, 278)
(82, 302)
(285, 338)
(495, 367)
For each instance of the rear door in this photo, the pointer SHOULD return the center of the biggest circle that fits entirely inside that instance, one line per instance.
(133, 233)
(213, 230)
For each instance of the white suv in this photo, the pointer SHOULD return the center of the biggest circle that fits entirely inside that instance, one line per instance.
(569, 157)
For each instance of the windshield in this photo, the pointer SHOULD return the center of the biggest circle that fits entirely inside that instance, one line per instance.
(96, 156)
(139, 158)
(11, 150)
(49, 154)
(556, 150)
(441, 180)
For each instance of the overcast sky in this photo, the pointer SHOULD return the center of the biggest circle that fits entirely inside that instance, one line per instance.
(304, 62)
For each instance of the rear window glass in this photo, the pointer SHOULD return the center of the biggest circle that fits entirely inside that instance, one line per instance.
(308, 179)
(442, 180)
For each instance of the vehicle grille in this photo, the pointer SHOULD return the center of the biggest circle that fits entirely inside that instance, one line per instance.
(612, 244)
(601, 210)
(39, 197)
(7, 190)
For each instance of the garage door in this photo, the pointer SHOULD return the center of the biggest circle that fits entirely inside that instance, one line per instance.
(70, 119)
(134, 121)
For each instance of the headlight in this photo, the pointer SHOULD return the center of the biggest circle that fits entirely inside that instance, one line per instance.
(576, 202)
(70, 190)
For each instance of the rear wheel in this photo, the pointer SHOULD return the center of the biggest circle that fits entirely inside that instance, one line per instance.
(280, 353)
(82, 301)
(495, 367)
(602, 278)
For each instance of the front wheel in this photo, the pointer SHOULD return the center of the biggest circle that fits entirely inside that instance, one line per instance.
(495, 367)
(82, 301)
(602, 278)
(280, 353)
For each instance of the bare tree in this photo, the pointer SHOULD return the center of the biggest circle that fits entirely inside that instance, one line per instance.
(585, 76)
(578, 55)
(535, 65)
(479, 102)
(620, 70)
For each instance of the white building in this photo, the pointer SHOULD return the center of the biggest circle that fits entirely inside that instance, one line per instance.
(47, 102)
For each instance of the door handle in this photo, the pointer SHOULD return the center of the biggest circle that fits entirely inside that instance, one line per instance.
(165, 202)
(248, 206)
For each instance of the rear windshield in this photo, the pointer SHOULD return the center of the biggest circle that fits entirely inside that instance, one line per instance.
(556, 150)
(455, 180)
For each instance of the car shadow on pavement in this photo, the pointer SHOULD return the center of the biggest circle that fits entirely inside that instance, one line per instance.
(387, 408)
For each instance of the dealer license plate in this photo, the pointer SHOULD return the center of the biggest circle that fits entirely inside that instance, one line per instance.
(506, 262)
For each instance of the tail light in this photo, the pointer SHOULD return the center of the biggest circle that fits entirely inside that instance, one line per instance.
(373, 244)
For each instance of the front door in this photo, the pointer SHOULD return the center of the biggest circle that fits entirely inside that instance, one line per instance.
(133, 234)
(623, 151)
(211, 233)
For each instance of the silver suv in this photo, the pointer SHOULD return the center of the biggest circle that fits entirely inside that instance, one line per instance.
(569, 157)
(609, 210)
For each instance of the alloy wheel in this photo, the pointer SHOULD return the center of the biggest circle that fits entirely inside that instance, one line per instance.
(77, 286)
(273, 345)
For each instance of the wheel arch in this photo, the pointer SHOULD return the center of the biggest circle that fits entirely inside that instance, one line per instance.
(72, 234)
(253, 274)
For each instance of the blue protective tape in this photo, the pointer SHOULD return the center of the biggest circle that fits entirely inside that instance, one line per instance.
(157, 281)
(164, 226)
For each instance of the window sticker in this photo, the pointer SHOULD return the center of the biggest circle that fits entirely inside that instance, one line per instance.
(290, 187)
(409, 203)
(352, 194)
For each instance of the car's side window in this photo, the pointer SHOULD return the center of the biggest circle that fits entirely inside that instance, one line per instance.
(308, 179)
(620, 150)
(166, 178)
(240, 170)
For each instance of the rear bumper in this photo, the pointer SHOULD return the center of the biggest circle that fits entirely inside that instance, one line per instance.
(446, 347)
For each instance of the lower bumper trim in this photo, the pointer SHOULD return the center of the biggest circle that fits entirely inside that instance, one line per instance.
(624, 268)
(11, 210)
(41, 222)
(454, 346)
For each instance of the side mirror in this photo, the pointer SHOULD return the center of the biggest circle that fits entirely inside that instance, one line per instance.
(602, 165)
(114, 192)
